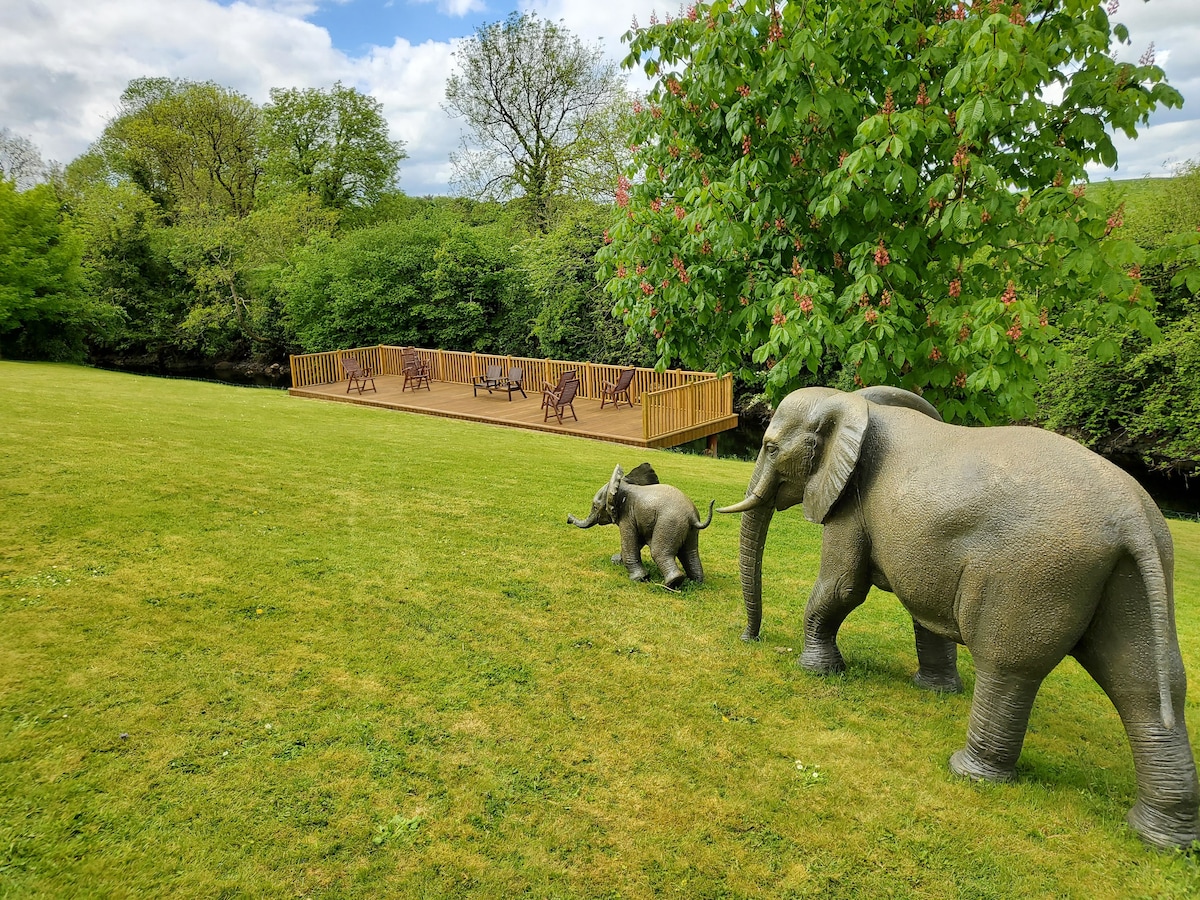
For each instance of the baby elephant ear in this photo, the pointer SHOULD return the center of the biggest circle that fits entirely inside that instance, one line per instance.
(614, 489)
(643, 474)
(841, 422)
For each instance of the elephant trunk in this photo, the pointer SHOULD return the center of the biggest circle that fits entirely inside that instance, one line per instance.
(755, 523)
(583, 523)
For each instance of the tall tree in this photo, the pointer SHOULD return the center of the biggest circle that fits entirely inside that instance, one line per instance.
(536, 100)
(186, 144)
(43, 312)
(894, 186)
(331, 144)
(234, 265)
(20, 160)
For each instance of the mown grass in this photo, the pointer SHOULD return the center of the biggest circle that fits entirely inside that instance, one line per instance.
(252, 645)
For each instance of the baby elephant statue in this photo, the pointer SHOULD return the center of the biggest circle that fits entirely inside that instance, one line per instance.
(1012, 541)
(654, 515)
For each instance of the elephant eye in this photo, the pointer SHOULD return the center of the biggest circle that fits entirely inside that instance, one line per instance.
(772, 449)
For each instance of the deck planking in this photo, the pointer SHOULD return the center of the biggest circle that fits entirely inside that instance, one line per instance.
(458, 401)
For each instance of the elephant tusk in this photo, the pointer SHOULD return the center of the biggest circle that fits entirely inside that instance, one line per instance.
(752, 501)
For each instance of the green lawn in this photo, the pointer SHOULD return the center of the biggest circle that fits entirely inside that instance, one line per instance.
(252, 645)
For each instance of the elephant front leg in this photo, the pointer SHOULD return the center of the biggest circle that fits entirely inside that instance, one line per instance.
(631, 554)
(996, 730)
(937, 662)
(842, 586)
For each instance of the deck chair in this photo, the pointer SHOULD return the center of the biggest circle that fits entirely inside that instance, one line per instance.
(415, 372)
(555, 403)
(615, 390)
(357, 375)
(514, 382)
(563, 378)
(490, 380)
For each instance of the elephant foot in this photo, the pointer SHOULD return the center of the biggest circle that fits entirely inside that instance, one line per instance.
(822, 658)
(938, 682)
(968, 765)
(1164, 830)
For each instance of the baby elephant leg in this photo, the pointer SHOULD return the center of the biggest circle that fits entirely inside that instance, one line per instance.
(690, 557)
(673, 575)
(631, 555)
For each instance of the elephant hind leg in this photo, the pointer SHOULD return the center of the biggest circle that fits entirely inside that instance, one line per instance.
(996, 729)
(1168, 795)
(673, 576)
(937, 659)
(690, 557)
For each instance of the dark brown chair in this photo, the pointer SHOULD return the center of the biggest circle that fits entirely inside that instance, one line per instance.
(556, 402)
(357, 375)
(415, 372)
(563, 378)
(490, 380)
(615, 390)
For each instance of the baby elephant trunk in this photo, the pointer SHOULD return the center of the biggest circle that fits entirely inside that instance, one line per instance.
(582, 523)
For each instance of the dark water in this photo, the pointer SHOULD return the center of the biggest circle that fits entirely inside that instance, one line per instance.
(244, 375)
(1176, 496)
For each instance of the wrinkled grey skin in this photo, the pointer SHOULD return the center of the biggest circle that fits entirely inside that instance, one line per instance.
(650, 514)
(1015, 542)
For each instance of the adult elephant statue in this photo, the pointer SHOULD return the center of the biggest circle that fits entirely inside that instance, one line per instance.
(1015, 542)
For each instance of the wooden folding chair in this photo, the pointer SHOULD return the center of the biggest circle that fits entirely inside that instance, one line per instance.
(415, 372)
(556, 402)
(615, 390)
(357, 375)
(563, 378)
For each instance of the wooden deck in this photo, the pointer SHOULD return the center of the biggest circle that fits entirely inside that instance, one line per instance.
(457, 401)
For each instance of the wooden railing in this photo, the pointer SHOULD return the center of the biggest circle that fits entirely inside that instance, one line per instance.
(672, 402)
(457, 367)
(687, 407)
(326, 368)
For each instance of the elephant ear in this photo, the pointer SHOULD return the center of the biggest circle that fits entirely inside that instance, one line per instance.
(643, 474)
(841, 421)
(612, 498)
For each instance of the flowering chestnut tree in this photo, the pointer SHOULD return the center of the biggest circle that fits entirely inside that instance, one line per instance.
(895, 186)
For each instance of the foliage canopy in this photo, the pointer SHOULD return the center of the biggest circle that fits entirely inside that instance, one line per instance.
(895, 186)
(43, 311)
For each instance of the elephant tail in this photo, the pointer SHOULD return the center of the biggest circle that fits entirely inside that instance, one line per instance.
(1158, 593)
(702, 525)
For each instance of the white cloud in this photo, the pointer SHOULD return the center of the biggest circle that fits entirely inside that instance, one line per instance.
(63, 65)
(1159, 150)
(458, 8)
(604, 21)
(410, 82)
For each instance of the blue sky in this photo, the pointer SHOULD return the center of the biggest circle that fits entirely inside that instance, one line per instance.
(357, 24)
